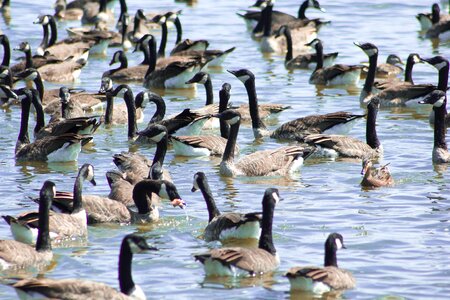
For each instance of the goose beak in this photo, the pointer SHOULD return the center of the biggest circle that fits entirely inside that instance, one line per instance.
(358, 44)
(232, 72)
(190, 81)
(343, 246)
(93, 182)
(178, 202)
(193, 189)
(322, 9)
(151, 248)
(37, 21)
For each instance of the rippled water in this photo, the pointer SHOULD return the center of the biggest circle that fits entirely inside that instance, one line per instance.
(397, 238)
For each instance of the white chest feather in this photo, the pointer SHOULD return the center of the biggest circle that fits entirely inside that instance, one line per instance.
(308, 285)
(347, 78)
(179, 81)
(68, 152)
(249, 230)
(215, 268)
(182, 149)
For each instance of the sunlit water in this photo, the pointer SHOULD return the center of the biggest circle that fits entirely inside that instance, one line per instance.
(397, 238)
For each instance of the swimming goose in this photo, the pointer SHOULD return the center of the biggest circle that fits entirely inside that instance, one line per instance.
(413, 58)
(175, 73)
(388, 69)
(86, 289)
(69, 108)
(14, 254)
(335, 74)
(345, 146)
(30, 61)
(97, 11)
(65, 147)
(62, 226)
(225, 226)
(274, 162)
(338, 122)
(124, 73)
(302, 61)
(322, 280)
(375, 177)
(394, 95)
(427, 20)
(239, 261)
(64, 13)
(205, 145)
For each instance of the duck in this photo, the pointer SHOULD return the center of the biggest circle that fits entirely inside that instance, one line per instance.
(333, 145)
(240, 261)
(64, 147)
(17, 255)
(394, 95)
(297, 129)
(274, 162)
(206, 145)
(223, 226)
(427, 20)
(388, 69)
(124, 73)
(375, 177)
(334, 75)
(81, 288)
(322, 280)
(63, 227)
(174, 74)
(302, 61)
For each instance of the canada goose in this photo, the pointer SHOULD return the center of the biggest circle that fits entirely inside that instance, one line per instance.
(124, 73)
(321, 280)
(300, 33)
(173, 75)
(86, 289)
(81, 125)
(94, 12)
(345, 146)
(388, 69)
(375, 177)
(77, 48)
(65, 71)
(274, 162)
(225, 226)
(440, 30)
(15, 254)
(62, 226)
(412, 59)
(200, 145)
(338, 122)
(65, 147)
(122, 39)
(395, 94)
(69, 109)
(238, 261)
(302, 61)
(99, 34)
(334, 75)
(427, 20)
(30, 61)
(62, 13)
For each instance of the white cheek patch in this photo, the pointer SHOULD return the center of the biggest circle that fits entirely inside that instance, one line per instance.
(21, 97)
(203, 80)
(275, 196)
(441, 65)
(54, 190)
(233, 120)
(158, 137)
(162, 20)
(134, 248)
(122, 92)
(338, 243)
(195, 184)
(163, 192)
(244, 78)
(45, 20)
(440, 102)
(90, 174)
(32, 76)
(371, 52)
(416, 59)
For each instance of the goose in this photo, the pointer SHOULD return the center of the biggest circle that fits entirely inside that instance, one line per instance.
(438, 99)
(205, 145)
(388, 69)
(394, 95)
(302, 61)
(77, 49)
(344, 146)
(274, 162)
(122, 39)
(94, 12)
(225, 226)
(300, 34)
(65, 147)
(63, 13)
(239, 261)
(69, 108)
(412, 59)
(334, 75)
(86, 289)
(338, 122)
(4, 41)
(174, 74)
(62, 226)
(375, 177)
(265, 109)
(124, 73)
(440, 30)
(81, 125)
(322, 280)
(427, 20)
(14, 254)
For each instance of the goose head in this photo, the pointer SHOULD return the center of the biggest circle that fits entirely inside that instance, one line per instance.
(159, 19)
(137, 243)
(200, 77)
(154, 132)
(64, 94)
(414, 58)
(393, 59)
(140, 15)
(243, 75)
(315, 4)
(172, 15)
(156, 172)
(368, 48)
(230, 116)
(169, 191)
(439, 62)
(335, 241)
(199, 179)
(87, 173)
(47, 193)
(437, 98)
(23, 47)
(272, 194)
(142, 42)
(366, 165)
(118, 57)
(106, 85)
(143, 98)
(43, 20)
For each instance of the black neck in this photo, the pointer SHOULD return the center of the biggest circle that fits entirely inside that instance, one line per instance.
(330, 256)
(123, 61)
(77, 194)
(287, 35)
(370, 79)
(262, 19)
(179, 30)
(209, 91)
(160, 110)
(40, 117)
(123, 8)
(6, 51)
(302, 10)
(268, 21)
(439, 125)
(257, 123)
(319, 53)
(162, 45)
(228, 154)
(265, 240)
(43, 238)
(408, 70)
(153, 56)
(109, 108)
(435, 15)
(131, 109)
(146, 51)
(103, 4)
(65, 109)
(224, 96)
(28, 59)
(54, 32)
(23, 133)
(141, 191)
(39, 86)
(125, 278)
(371, 130)
(161, 149)
(44, 42)
(443, 79)
(213, 211)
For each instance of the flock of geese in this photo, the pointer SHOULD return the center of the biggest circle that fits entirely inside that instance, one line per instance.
(139, 184)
